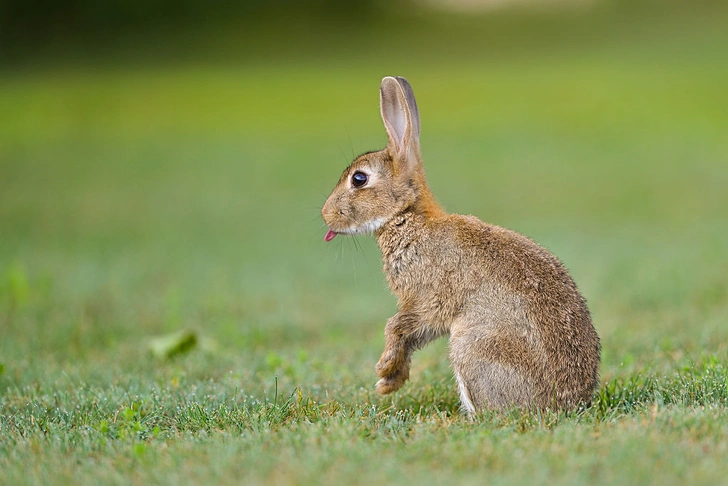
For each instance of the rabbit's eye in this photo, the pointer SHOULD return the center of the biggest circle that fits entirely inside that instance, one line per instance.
(358, 179)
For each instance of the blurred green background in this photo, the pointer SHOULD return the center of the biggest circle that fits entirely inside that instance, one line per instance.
(162, 169)
(162, 166)
(171, 176)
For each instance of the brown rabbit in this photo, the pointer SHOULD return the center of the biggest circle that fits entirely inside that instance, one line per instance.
(520, 331)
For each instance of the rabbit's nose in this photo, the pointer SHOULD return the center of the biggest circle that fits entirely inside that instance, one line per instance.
(327, 212)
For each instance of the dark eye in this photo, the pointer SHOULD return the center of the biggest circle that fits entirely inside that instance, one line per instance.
(358, 179)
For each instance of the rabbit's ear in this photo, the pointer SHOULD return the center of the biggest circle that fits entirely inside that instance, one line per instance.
(400, 115)
(409, 96)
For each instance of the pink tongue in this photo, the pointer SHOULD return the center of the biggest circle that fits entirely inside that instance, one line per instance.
(330, 235)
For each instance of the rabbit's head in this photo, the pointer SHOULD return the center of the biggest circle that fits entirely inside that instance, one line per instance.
(379, 185)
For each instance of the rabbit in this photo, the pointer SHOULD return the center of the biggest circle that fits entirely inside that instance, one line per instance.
(520, 333)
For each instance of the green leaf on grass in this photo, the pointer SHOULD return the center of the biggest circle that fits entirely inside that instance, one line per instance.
(173, 344)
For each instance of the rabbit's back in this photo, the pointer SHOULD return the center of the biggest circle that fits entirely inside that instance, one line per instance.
(543, 326)
(510, 306)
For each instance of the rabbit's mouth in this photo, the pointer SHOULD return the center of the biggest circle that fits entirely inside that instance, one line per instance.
(368, 228)
(330, 235)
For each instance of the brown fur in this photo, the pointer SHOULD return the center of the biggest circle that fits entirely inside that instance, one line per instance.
(520, 331)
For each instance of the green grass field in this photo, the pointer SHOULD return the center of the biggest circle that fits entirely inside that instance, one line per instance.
(141, 199)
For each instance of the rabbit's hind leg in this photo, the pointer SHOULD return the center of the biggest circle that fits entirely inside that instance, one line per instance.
(465, 402)
(485, 382)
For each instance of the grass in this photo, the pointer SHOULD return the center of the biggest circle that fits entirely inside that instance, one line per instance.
(140, 200)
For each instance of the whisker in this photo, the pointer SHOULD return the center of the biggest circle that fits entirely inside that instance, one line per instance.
(357, 247)
(351, 145)
(364, 254)
(340, 252)
(353, 242)
(346, 159)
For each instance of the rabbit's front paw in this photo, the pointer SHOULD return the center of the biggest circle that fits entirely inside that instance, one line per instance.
(390, 364)
(393, 371)
(391, 383)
